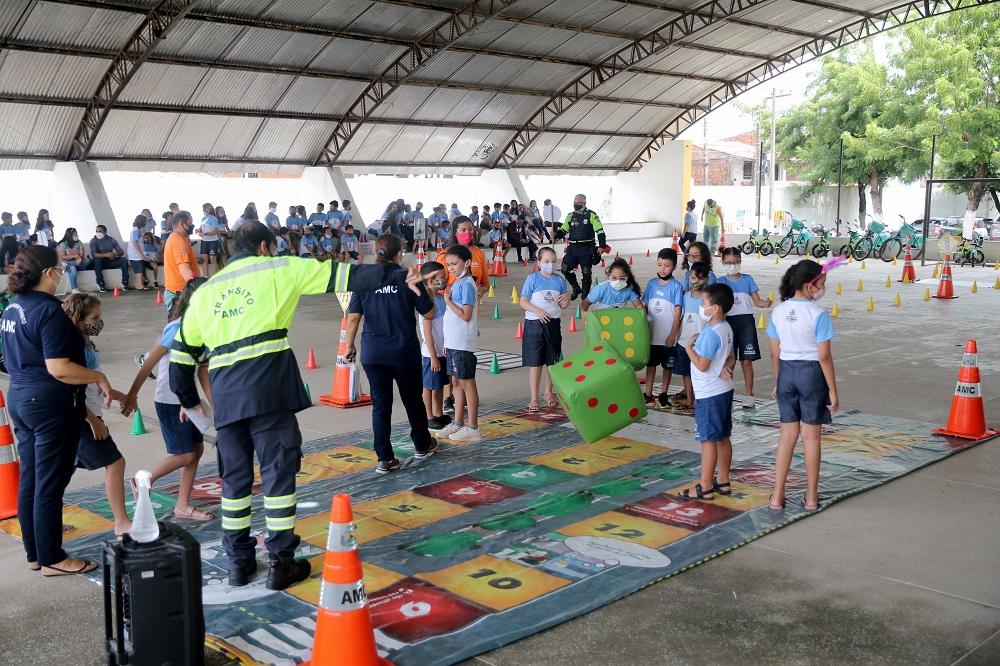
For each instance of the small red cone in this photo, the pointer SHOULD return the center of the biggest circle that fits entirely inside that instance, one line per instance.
(603, 265)
(572, 324)
(159, 297)
(675, 244)
(647, 253)
(520, 331)
(117, 293)
(630, 261)
(311, 360)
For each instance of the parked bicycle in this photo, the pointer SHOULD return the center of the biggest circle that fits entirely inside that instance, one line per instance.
(853, 238)
(797, 238)
(758, 243)
(970, 252)
(822, 246)
(907, 234)
(871, 243)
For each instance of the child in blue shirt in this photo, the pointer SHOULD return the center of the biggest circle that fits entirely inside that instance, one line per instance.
(697, 252)
(620, 291)
(435, 370)
(712, 358)
(318, 219)
(308, 245)
(328, 244)
(663, 298)
(348, 243)
(740, 318)
(544, 296)
(283, 245)
(461, 339)
(444, 234)
(495, 235)
(806, 383)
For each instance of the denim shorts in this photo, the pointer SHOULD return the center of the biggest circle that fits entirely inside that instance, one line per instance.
(180, 436)
(802, 393)
(713, 417)
(96, 453)
(435, 381)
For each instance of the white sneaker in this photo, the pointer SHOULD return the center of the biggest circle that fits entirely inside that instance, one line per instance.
(448, 430)
(467, 434)
(749, 402)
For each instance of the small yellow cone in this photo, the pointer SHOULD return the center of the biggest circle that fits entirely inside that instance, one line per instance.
(513, 295)
(850, 259)
(490, 293)
(996, 265)
(927, 294)
(975, 287)
(906, 278)
(935, 274)
(758, 255)
(871, 304)
(894, 261)
(996, 285)
(761, 322)
(897, 301)
(888, 281)
(835, 310)
(863, 267)
(770, 296)
(840, 289)
(777, 260)
(861, 285)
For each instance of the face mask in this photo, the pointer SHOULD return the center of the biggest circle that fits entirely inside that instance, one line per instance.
(93, 328)
(75, 238)
(547, 267)
(732, 269)
(99, 235)
(577, 206)
(819, 294)
(464, 237)
(701, 313)
(696, 286)
(440, 285)
(618, 285)
(664, 276)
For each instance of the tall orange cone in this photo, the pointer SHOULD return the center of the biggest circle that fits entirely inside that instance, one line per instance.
(421, 258)
(311, 360)
(344, 631)
(945, 287)
(674, 244)
(967, 419)
(909, 274)
(10, 469)
(630, 261)
(499, 265)
(346, 390)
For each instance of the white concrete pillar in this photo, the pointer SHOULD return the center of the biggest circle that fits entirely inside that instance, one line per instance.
(518, 185)
(78, 199)
(344, 192)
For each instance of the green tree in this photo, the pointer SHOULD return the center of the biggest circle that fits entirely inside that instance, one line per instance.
(950, 68)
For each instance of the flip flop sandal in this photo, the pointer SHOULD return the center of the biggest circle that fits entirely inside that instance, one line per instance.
(697, 493)
(722, 488)
(87, 567)
(533, 406)
(810, 509)
(772, 506)
(195, 514)
(34, 566)
(550, 401)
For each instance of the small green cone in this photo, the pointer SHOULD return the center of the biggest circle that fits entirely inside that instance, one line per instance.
(494, 282)
(579, 313)
(597, 281)
(496, 312)
(138, 428)
(495, 365)
(308, 392)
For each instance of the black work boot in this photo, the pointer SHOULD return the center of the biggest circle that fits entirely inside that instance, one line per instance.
(285, 574)
(239, 574)
(571, 278)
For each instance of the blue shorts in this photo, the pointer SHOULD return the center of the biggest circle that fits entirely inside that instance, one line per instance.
(461, 364)
(96, 453)
(802, 393)
(210, 247)
(662, 356)
(180, 436)
(435, 381)
(542, 343)
(745, 343)
(682, 364)
(713, 417)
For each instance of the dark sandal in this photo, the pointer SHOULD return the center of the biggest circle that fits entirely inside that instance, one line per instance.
(533, 406)
(87, 567)
(772, 507)
(699, 493)
(722, 488)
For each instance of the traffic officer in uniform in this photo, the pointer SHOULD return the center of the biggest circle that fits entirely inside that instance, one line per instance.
(584, 228)
(239, 322)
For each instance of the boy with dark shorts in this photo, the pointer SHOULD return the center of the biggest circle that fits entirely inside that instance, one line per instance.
(544, 296)
(435, 368)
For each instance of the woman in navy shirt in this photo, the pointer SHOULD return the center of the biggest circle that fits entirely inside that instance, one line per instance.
(391, 351)
(44, 354)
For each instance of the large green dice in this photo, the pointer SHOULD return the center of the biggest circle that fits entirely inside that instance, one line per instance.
(599, 391)
(625, 329)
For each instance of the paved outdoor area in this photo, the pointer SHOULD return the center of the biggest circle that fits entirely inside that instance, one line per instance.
(903, 574)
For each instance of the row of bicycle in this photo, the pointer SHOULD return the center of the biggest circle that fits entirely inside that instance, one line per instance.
(875, 241)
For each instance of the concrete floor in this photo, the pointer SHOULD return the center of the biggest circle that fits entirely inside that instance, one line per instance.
(904, 574)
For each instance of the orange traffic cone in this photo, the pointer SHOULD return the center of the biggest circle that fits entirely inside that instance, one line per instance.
(117, 292)
(722, 244)
(647, 253)
(967, 419)
(945, 287)
(630, 261)
(572, 324)
(346, 390)
(344, 631)
(520, 331)
(909, 274)
(675, 244)
(10, 469)
(159, 297)
(311, 360)
(499, 265)
(420, 255)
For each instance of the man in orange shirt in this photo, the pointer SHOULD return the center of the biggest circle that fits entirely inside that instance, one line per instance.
(179, 262)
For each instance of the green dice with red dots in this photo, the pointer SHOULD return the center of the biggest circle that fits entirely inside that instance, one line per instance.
(625, 329)
(599, 391)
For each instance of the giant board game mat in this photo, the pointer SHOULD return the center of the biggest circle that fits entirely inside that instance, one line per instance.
(490, 542)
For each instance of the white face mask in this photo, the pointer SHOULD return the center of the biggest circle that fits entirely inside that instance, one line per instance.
(75, 238)
(99, 235)
(701, 313)
(819, 294)
(547, 267)
(732, 269)
(618, 285)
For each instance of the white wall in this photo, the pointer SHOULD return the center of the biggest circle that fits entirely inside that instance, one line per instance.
(656, 192)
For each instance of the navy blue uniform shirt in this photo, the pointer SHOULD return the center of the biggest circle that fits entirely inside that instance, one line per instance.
(36, 328)
(390, 331)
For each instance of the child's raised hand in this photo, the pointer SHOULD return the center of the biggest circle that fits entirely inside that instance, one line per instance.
(413, 278)
(690, 343)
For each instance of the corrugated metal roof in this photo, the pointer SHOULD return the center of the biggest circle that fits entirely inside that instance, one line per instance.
(49, 74)
(37, 130)
(79, 26)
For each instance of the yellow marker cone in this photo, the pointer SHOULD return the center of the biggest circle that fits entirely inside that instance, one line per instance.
(490, 293)
(840, 289)
(850, 259)
(863, 267)
(935, 274)
(927, 294)
(861, 285)
(996, 265)
(513, 295)
(975, 287)
(761, 322)
(996, 285)
(906, 278)
(777, 260)
(888, 282)
(871, 304)
(835, 310)
(897, 301)
(894, 261)
(770, 296)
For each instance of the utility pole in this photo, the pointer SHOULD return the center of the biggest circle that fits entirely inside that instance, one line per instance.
(759, 167)
(771, 162)
(704, 154)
